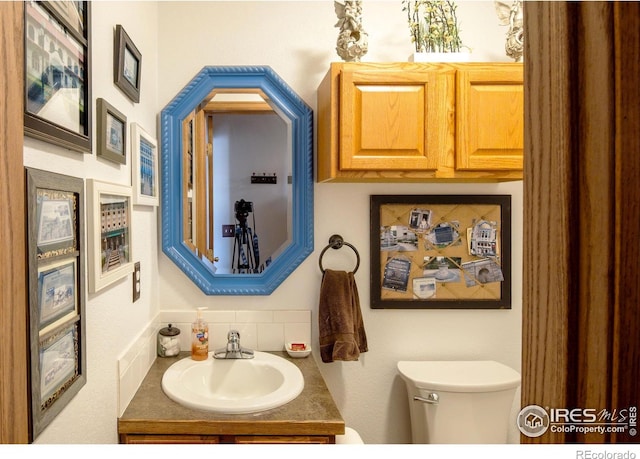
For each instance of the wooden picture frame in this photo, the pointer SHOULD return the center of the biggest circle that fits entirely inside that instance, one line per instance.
(440, 251)
(56, 254)
(127, 64)
(112, 133)
(144, 167)
(110, 249)
(57, 89)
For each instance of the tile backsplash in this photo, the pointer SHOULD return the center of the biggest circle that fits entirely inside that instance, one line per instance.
(259, 330)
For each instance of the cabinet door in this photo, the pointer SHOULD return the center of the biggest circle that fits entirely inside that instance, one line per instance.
(490, 117)
(394, 120)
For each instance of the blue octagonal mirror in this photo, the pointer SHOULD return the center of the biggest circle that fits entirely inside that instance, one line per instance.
(237, 180)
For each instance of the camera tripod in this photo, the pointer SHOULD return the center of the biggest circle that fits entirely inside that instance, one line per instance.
(246, 254)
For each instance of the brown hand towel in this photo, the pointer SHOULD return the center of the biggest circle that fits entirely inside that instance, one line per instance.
(342, 335)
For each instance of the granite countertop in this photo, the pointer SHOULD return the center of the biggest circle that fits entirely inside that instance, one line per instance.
(313, 412)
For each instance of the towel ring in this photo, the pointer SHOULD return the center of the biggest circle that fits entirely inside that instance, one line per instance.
(336, 242)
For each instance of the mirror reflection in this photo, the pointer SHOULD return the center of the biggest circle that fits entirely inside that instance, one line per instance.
(237, 180)
(237, 195)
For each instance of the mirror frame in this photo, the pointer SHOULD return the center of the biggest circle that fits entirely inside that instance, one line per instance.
(301, 117)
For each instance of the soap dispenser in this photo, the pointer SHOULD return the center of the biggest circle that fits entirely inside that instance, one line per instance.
(199, 338)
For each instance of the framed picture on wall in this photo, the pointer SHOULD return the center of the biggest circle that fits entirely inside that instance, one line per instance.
(58, 73)
(127, 65)
(441, 251)
(57, 293)
(55, 226)
(110, 229)
(144, 167)
(112, 133)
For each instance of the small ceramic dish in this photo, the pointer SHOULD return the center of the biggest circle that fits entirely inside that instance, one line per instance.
(298, 349)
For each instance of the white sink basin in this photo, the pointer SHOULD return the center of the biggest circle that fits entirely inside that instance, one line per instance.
(233, 386)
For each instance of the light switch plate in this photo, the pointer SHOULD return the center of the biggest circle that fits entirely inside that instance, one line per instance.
(136, 281)
(228, 230)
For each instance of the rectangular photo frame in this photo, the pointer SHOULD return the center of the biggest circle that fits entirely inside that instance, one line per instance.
(57, 94)
(144, 167)
(440, 251)
(127, 64)
(58, 373)
(56, 254)
(57, 294)
(112, 133)
(110, 229)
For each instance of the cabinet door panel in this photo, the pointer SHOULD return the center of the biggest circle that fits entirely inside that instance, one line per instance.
(393, 120)
(490, 119)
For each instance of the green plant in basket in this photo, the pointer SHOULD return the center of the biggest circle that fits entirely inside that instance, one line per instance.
(433, 25)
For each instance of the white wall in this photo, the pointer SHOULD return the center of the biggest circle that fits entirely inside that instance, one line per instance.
(112, 320)
(297, 39)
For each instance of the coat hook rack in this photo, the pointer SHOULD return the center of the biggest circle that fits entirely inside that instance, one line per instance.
(336, 242)
(264, 178)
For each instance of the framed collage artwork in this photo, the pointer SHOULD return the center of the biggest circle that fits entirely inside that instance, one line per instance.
(441, 251)
(57, 336)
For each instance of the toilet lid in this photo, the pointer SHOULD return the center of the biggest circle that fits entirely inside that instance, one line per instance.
(459, 376)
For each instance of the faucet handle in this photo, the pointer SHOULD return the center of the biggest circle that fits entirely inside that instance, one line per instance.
(233, 335)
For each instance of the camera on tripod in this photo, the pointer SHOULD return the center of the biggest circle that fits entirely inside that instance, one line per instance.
(246, 254)
(242, 209)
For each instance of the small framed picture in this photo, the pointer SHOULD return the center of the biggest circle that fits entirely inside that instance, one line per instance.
(144, 168)
(57, 77)
(112, 133)
(127, 65)
(55, 222)
(57, 294)
(110, 250)
(58, 362)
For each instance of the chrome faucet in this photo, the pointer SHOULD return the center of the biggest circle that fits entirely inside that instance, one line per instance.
(233, 350)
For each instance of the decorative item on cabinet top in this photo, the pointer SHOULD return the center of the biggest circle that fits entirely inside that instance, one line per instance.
(353, 40)
(435, 33)
(417, 122)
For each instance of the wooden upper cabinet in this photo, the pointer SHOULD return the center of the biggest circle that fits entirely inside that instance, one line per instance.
(489, 117)
(394, 120)
(418, 122)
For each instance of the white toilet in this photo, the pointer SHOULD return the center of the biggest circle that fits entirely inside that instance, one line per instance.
(350, 437)
(459, 401)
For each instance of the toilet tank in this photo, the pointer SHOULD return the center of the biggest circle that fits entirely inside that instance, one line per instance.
(459, 401)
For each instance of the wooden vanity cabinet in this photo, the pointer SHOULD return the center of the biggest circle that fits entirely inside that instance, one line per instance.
(138, 439)
(151, 417)
(420, 122)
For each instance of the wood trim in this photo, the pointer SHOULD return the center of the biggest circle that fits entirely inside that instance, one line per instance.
(626, 323)
(582, 207)
(547, 180)
(14, 421)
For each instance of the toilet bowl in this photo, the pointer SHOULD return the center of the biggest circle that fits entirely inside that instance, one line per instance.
(350, 437)
(459, 401)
